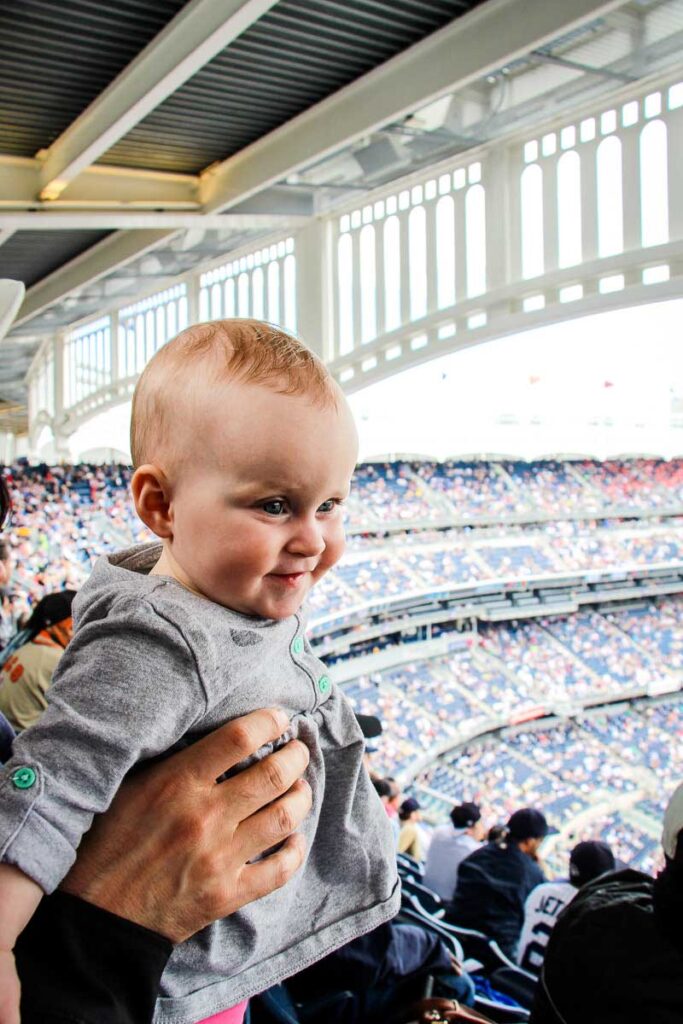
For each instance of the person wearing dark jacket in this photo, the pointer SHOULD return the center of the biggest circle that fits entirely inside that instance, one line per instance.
(616, 953)
(385, 970)
(494, 882)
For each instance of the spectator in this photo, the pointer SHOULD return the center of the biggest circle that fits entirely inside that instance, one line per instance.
(450, 844)
(5, 576)
(386, 970)
(384, 792)
(27, 673)
(588, 860)
(616, 954)
(494, 882)
(409, 835)
(496, 834)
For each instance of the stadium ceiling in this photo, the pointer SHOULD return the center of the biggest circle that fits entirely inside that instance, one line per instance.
(142, 138)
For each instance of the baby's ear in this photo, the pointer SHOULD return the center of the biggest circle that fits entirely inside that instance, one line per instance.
(152, 496)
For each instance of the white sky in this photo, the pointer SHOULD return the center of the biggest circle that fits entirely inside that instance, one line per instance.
(452, 405)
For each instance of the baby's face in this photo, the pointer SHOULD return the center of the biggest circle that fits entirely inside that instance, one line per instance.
(256, 508)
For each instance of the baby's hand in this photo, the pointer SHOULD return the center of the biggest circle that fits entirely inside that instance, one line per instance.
(9, 989)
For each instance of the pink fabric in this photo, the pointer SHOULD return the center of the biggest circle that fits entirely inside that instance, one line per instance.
(233, 1016)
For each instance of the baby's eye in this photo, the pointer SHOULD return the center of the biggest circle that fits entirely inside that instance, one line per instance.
(274, 507)
(329, 505)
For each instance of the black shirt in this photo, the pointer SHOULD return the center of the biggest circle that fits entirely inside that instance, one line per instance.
(79, 964)
(492, 887)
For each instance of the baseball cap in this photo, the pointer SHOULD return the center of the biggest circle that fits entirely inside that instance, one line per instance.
(409, 805)
(588, 860)
(465, 815)
(528, 823)
(370, 726)
(673, 823)
(51, 609)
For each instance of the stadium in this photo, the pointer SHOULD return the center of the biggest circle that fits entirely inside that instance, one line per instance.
(472, 214)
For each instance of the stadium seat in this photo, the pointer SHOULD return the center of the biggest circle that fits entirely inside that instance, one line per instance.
(428, 899)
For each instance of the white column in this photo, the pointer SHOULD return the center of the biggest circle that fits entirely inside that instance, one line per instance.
(550, 233)
(496, 179)
(193, 299)
(630, 163)
(674, 123)
(114, 346)
(59, 430)
(589, 200)
(314, 305)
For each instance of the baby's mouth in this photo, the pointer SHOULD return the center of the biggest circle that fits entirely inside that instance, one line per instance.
(288, 579)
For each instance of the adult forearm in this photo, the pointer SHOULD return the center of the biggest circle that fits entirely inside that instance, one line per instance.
(78, 963)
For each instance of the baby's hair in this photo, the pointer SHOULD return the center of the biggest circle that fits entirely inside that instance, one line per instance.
(244, 351)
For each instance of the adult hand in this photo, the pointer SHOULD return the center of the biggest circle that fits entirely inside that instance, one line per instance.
(172, 852)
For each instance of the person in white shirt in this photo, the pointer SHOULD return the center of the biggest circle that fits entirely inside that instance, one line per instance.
(450, 844)
(587, 861)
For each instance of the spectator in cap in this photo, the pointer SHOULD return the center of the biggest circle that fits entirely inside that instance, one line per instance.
(27, 673)
(587, 861)
(494, 881)
(616, 953)
(6, 567)
(409, 836)
(450, 844)
(384, 790)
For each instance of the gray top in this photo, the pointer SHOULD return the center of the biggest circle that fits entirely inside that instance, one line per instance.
(150, 667)
(448, 847)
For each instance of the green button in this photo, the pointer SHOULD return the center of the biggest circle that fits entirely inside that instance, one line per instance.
(297, 645)
(24, 778)
(324, 684)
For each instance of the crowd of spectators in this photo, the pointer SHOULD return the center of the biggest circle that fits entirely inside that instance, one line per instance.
(596, 776)
(403, 491)
(64, 517)
(578, 771)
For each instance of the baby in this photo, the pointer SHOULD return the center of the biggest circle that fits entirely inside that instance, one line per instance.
(244, 449)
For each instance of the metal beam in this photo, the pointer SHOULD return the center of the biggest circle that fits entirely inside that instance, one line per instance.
(587, 69)
(197, 33)
(470, 47)
(97, 187)
(91, 265)
(108, 220)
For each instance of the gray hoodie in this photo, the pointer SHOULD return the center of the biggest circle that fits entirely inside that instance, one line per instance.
(151, 667)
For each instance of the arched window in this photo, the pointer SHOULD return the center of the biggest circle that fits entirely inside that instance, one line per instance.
(654, 184)
(182, 314)
(368, 279)
(150, 334)
(229, 297)
(533, 256)
(417, 261)
(172, 319)
(445, 252)
(345, 292)
(610, 199)
(139, 343)
(274, 292)
(160, 337)
(257, 301)
(569, 209)
(243, 295)
(392, 273)
(289, 271)
(203, 304)
(475, 239)
(216, 302)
